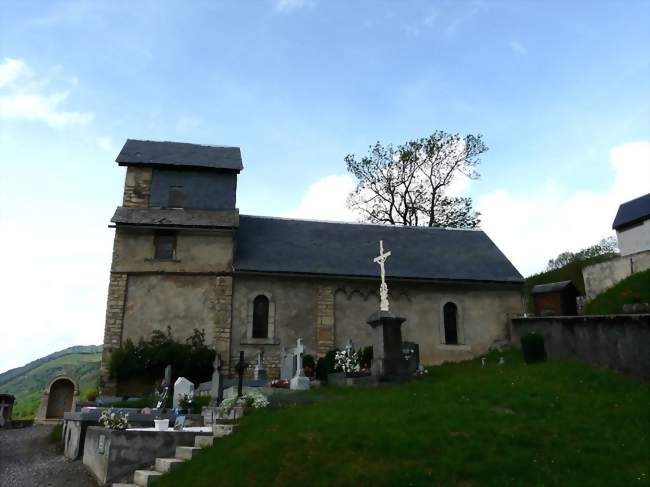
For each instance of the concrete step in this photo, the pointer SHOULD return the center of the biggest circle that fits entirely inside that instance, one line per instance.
(186, 452)
(124, 485)
(203, 441)
(219, 430)
(164, 465)
(145, 478)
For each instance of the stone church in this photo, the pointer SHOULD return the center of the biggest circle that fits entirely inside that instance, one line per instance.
(184, 257)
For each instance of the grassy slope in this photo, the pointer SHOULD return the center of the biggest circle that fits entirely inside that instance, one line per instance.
(611, 301)
(546, 424)
(28, 387)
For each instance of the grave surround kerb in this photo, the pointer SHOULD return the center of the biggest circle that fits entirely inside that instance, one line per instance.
(388, 362)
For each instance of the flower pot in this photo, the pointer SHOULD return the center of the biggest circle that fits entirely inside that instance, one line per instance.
(161, 424)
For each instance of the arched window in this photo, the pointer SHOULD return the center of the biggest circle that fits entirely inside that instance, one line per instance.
(261, 317)
(450, 314)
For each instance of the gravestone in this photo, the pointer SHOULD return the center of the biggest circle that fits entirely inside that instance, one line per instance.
(216, 387)
(6, 406)
(411, 354)
(260, 372)
(288, 366)
(182, 387)
(299, 382)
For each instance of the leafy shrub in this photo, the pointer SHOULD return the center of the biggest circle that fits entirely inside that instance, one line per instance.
(366, 357)
(147, 360)
(56, 434)
(326, 365)
(308, 365)
(532, 346)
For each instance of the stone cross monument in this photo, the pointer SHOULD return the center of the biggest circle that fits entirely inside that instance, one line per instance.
(216, 389)
(388, 362)
(299, 381)
(383, 288)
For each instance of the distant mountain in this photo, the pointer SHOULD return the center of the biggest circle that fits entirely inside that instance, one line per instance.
(27, 382)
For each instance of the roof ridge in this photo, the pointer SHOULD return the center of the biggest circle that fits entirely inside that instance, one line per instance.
(187, 143)
(383, 225)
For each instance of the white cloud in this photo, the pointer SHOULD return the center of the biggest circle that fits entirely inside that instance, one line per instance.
(104, 143)
(289, 5)
(519, 48)
(325, 200)
(25, 97)
(534, 227)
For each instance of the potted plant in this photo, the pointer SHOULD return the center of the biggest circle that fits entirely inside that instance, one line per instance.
(161, 424)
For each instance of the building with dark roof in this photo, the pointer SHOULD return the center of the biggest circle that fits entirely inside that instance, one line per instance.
(555, 299)
(185, 258)
(632, 225)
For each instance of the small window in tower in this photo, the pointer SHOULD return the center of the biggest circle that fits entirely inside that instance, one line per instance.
(165, 245)
(176, 197)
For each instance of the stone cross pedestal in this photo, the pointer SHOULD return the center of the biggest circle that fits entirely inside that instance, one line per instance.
(388, 361)
(299, 382)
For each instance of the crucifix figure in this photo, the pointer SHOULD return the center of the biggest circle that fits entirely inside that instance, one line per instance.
(217, 380)
(240, 367)
(383, 288)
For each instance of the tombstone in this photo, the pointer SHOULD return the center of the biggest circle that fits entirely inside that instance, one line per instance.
(216, 388)
(165, 386)
(411, 354)
(240, 368)
(299, 382)
(182, 387)
(60, 396)
(259, 372)
(288, 365)
(6, 407)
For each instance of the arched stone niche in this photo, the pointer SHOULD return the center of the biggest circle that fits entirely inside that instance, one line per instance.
(59, 396)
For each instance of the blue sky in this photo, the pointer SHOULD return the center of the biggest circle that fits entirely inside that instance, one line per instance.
(560, 91)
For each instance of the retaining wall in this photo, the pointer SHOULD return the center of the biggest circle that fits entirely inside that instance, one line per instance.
(620, 342)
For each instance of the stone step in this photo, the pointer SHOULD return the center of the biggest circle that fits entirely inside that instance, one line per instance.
(203, 441)
(219, 430)
(186, 452)
(124, 485)
(164, 465)
(145, 478)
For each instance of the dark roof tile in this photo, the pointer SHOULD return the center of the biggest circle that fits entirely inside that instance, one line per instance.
(633, 211)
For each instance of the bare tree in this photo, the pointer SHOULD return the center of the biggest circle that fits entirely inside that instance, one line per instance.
(406, 185)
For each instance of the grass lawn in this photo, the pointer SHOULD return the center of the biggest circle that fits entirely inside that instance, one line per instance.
(555, 423)
(612, 300)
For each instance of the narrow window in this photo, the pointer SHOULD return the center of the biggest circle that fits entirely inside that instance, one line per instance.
(165, 246)
(261, 317)
(450, 312)
(176, 197)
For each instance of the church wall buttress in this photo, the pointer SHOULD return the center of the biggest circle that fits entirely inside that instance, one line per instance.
(117, 288)
(325, 323)
(223, 317)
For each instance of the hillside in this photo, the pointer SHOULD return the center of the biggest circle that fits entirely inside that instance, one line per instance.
(555, 423)
(635, 288)
(27, 382)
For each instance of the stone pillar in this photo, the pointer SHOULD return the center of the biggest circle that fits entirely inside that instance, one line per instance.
(387, 361)
(325, 326)
(223, 318)
(113, 327)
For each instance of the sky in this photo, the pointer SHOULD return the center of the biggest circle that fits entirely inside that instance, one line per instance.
(559, 90)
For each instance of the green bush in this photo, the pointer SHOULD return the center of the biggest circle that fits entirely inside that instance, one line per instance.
(147, 360)
(365, 356)
(532, 346)
(326, 365)
(55, 435)
(308, 365)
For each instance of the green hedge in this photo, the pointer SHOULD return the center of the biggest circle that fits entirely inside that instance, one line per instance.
(532, 346)
(147, 360)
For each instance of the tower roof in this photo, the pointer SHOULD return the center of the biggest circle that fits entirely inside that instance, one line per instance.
(179, 154)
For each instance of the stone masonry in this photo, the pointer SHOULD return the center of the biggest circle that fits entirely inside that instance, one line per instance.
(137, 187)
(223, 317)
(113, 330)
(325, 332)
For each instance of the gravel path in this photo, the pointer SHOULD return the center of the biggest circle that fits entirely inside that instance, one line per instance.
(27, 459)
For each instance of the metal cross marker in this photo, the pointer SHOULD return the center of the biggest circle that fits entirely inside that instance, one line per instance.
(383, 288)
(240, 367)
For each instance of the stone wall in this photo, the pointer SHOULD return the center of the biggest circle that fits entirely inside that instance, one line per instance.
(113, 327)
(600, 277)
(620, 342)
(137, 187)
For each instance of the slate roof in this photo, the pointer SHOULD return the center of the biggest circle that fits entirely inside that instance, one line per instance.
(175, 217)
(631, 212)
(551, 287)
(280, 245)
(153, 153)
